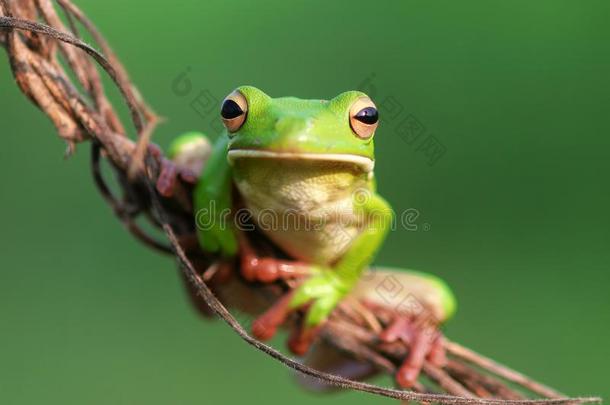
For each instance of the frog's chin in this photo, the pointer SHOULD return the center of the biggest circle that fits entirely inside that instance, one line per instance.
(365, 164)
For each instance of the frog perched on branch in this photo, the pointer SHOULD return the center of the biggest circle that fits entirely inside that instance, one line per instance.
(303, 170)
(353, 322)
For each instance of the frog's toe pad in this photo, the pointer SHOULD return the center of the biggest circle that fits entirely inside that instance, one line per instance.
(425, 343)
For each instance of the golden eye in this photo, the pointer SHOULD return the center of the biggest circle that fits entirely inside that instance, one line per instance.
(363, 117)
(234, 111)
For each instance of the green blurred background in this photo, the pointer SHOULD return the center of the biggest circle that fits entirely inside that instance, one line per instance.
(517, 93)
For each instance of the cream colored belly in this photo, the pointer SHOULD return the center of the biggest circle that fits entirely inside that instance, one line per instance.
(306, 208)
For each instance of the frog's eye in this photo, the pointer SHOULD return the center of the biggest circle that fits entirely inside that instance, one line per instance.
(234, 111)
(363, 117)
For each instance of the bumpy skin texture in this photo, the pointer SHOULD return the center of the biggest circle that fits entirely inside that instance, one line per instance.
(307, 181)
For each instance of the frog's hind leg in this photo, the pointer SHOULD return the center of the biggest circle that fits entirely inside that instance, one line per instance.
(266, 325)
(417, 304)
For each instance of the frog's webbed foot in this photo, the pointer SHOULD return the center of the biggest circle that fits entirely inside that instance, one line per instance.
(425, 343)
(318, 295)
(302, 336)
(267, 270)
(169, 174)
(265, 326)
(189, 153)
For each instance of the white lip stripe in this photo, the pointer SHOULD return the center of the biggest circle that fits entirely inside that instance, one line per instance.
(365, 163)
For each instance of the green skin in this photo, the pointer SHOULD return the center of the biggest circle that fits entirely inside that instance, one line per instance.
(300, 142)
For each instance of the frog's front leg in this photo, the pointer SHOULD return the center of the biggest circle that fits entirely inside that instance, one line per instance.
(324, 290)
(268, 269)
(328, 286)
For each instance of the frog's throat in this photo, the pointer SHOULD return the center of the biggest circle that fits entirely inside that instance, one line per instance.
(365, 164)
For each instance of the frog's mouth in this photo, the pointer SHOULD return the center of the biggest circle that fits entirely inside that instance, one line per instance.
(365, 164)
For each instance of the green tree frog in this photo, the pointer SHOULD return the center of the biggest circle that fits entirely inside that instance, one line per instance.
(302, 171)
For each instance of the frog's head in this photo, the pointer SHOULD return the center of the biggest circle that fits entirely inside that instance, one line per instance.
(340, 129)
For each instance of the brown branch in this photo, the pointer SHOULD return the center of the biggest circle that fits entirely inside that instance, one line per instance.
(500, 370)
(87, 115)
(335, 380)
(124, 88)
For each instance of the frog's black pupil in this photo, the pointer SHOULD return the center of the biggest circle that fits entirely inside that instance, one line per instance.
(230, 109)
(368, 115)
